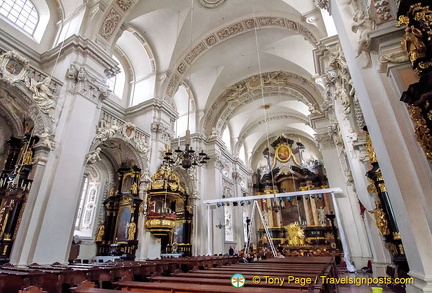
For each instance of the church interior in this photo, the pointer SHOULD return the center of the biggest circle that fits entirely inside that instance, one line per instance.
(177, 136)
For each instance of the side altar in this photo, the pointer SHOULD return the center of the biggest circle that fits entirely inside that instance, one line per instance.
(117, 234)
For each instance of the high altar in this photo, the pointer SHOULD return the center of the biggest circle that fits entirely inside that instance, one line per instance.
(300, 221)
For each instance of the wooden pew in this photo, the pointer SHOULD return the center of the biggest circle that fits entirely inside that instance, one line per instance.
(189, 288)
(225, 282)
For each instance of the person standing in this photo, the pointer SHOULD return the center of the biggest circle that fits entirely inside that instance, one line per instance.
(231, 251)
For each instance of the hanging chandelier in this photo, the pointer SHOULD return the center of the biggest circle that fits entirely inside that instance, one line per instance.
(186, 158)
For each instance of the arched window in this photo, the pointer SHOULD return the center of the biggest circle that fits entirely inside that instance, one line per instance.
(117, 83)
(228, 223)
(22, 13)
(226, 137)
(88, 204)
(242, 154)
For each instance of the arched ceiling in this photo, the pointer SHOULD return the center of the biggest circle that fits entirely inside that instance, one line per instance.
(216, 46)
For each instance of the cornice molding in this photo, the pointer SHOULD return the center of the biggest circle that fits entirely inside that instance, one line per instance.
(86, 46)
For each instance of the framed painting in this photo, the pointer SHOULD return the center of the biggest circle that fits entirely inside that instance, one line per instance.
(123, 219)
(13, 67)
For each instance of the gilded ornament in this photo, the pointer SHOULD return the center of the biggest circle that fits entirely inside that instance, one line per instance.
(412, 44)
(370, 149)
(403, 19)
(295, 234)
(380, 219)
(371, 188)
(131, 230)
(421, 130)
(101, 232)
(134, 188)
(382, 187)
(401, 249)
(329, 237)
(392, 248)
(396, 236)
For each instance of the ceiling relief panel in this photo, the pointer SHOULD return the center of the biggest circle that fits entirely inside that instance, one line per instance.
(110, 24)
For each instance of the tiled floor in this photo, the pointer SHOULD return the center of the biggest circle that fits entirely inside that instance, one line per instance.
(363, 288)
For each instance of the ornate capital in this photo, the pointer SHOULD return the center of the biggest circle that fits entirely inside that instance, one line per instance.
(87, 85)
(323, 4)
(325, 141)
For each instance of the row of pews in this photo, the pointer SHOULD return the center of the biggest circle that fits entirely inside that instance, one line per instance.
(60, 278)
(183, 275)
(299, 274)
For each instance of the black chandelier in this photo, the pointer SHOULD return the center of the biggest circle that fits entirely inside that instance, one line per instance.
(185, 158)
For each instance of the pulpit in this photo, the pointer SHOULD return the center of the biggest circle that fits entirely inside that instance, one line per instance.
(169, 212)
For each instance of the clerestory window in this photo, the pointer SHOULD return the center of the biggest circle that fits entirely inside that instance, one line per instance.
(22, 13)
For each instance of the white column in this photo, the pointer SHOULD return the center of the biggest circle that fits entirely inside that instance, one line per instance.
(404, 166)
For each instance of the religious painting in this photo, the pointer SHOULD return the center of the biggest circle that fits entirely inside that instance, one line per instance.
(293, 211)
(128, 181)
(283, 153)
(123, 220)
(13, 67)
(178, 233)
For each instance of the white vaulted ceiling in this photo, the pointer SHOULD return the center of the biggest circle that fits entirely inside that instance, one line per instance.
(213, 50)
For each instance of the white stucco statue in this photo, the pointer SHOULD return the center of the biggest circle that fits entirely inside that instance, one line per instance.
(93, 157)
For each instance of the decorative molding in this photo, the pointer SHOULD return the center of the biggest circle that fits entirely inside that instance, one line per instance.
(124, 4)
(110, 24)
(85, 84)
(359, 114)
(110, 127)
(325, 141)
(364, 25)
(393, 55)
(13, 67)
(47, 140)
(382, 11)
(162, 131)
(337, 82)
(201, 47)
(15, 70)
(232, 30)
(323, 4)
(254, 87)
(211, 3)
(93, 156)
